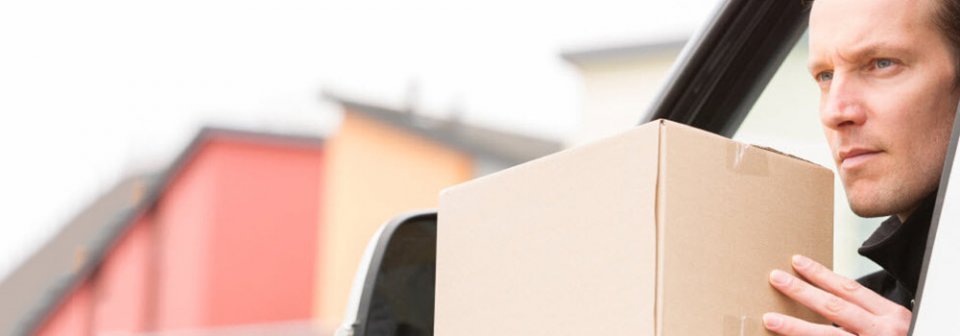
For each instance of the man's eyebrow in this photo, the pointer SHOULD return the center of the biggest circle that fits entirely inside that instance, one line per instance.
(856, 53)
(869, 50)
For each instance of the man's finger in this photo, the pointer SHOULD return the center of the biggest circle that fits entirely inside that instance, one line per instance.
(847, 289)
(841, 312)
(788, 325)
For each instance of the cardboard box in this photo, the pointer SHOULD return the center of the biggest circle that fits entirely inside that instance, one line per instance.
(661, 230)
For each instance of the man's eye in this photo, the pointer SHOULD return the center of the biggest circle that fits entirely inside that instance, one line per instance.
(824, 76)
(883, 63)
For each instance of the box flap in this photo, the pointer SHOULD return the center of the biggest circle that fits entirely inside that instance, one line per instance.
(786, 154)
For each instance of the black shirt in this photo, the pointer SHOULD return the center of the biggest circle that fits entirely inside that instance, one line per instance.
(899, 249)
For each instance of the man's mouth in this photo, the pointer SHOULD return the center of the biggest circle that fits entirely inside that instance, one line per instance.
(855, 157)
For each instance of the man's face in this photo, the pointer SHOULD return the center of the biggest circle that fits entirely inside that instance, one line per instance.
(888, 98)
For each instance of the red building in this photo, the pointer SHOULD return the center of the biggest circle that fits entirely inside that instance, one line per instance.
(195, 248)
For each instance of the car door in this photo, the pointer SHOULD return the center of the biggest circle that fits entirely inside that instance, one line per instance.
(716, 81)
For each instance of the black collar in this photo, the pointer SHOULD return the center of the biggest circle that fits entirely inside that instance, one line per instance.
(899, 247)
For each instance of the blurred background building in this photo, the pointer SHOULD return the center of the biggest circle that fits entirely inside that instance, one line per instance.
(618, 82)
(226, 236)
(257, 226)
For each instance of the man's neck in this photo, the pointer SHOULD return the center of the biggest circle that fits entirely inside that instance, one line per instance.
(930, 199)
(903, 216)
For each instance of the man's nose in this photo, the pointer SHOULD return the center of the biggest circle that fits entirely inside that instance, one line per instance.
(843, 106)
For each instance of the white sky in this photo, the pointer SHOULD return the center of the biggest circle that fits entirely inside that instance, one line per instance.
(93, 90)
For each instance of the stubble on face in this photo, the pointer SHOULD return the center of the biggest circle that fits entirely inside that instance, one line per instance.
(888, 105)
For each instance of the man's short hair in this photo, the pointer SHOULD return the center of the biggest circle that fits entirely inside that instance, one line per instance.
(947, 18)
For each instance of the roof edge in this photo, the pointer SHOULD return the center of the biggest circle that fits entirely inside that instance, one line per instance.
(508, 147)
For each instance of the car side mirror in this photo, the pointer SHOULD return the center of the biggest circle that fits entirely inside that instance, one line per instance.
(393, 291)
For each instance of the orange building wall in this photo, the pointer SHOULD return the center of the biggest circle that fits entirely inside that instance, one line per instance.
(374, 173)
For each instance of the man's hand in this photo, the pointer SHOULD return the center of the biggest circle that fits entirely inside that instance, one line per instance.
(856, 309)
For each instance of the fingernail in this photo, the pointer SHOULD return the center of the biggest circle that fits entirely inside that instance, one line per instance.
(771, 321)
(801, 261)
(779, 277)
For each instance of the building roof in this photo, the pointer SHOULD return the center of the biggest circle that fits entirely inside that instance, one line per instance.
(510, 148)
(36, 288)
(621, 52)
(51, 272)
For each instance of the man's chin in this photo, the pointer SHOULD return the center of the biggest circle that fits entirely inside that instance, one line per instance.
(867, 211)
(869, 207)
